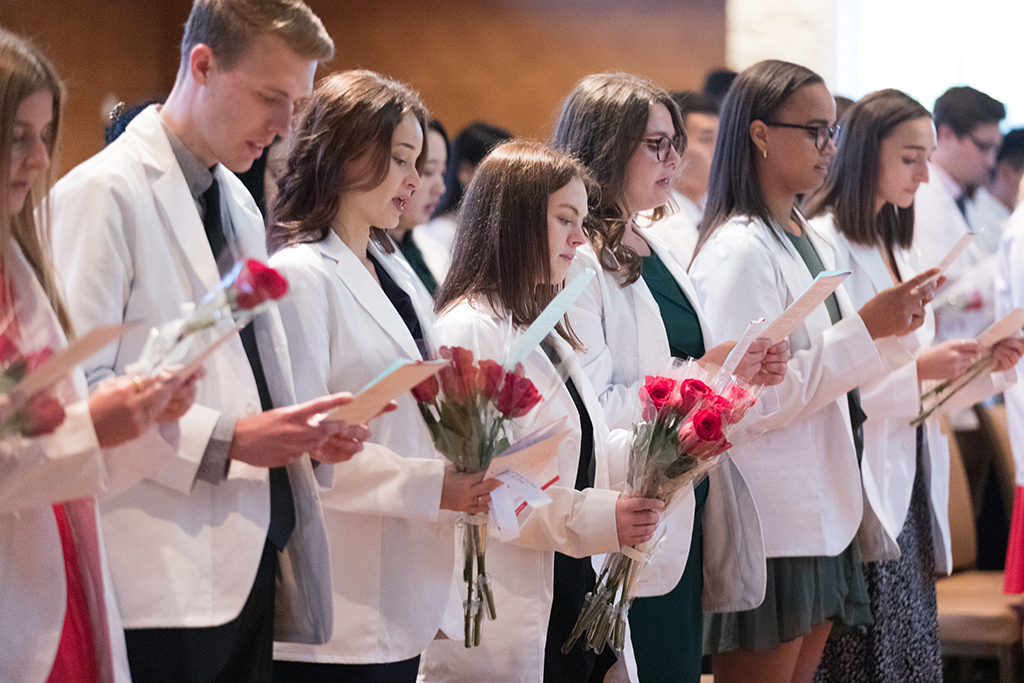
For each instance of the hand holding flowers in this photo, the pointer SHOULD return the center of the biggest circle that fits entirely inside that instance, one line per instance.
(679, 437)
(467, 407)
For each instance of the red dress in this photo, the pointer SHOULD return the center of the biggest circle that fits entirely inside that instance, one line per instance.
(1014, 575)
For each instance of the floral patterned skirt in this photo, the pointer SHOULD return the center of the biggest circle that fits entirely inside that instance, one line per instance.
(902, 646)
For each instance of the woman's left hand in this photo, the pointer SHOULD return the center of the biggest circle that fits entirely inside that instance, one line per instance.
(1007, 352)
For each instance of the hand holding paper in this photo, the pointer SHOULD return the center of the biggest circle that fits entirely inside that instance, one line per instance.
(899, 310)
(398, 378)
(824, 284)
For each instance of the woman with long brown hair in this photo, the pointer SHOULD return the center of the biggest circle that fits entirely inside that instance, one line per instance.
(357, 148)
(58, 615)
(519, 227)
(639, 312)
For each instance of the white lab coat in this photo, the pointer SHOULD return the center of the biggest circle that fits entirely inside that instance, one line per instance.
(130, 246)
(434, 238)
(890, 443)
(803, 471)
(391, 551)
(576, 523)
(625, 340)
(938, 224)
(35, 473)
(1009, 294)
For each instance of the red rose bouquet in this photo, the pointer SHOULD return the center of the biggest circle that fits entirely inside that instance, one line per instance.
(34, 415)
(686, 420)
(467, 407)
(243, 293)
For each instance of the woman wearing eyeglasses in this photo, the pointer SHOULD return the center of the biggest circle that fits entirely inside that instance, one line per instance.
(755, 256)
(639, 312)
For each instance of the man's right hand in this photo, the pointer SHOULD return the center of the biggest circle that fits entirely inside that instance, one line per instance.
(277, 437)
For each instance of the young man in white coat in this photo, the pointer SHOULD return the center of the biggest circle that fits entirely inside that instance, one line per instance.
(155, 221)
(967, 139)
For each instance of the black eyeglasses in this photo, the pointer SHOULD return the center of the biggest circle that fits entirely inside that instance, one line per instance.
(822, 134)
(661, 144)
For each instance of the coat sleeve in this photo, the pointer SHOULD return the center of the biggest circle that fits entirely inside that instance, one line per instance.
(94, 227)
(64, 465)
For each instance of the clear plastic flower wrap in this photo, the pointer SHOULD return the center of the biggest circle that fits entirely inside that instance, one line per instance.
(242, 294)
(687, 418)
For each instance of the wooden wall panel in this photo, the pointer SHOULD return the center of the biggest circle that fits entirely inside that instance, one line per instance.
(510, 62)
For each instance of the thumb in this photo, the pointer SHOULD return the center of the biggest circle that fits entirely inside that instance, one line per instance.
(920, 278)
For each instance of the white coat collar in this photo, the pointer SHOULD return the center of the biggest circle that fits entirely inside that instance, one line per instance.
(353, 274)
(173, 197)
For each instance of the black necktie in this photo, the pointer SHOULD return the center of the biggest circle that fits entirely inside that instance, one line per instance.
(961, 203)
(282, 505)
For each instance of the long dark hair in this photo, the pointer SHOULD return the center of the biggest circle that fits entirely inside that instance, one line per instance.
(851, 187)
(471, 145)
(602, 123)
(501, 237)
(734, 188)
(350, 114)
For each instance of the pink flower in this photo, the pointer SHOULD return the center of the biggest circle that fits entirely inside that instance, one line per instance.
(42, 415)
(702, 435)
(739, 402)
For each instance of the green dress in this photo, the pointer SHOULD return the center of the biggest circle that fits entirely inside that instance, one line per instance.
(667, 629)
(801, 592)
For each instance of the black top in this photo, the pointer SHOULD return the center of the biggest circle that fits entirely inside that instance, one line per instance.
(402, 302)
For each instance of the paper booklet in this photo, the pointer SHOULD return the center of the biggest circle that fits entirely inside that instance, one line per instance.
(824, 284)
(58, 366)
(947, 261)
(397, 378)
(526, 469)
(754, 330)
(1001, 329)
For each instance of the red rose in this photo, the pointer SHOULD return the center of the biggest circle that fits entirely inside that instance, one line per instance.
(692, 394)
(426, 391)
(491, 374)
(459, 378)
(34, 360)
(8, 350)
(42, 415)
(702, 435)
(658, 391)
(518, 395)
(257, 283)
(740, 400)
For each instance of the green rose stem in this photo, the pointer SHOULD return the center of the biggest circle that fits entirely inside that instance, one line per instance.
(973, 373)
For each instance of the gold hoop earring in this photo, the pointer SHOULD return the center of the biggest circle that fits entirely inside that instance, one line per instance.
(764, 153)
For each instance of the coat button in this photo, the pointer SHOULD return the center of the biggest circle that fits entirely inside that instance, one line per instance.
(250, 408)
(571, 442)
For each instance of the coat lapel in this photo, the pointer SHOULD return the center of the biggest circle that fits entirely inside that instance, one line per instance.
(174, 200)
(367, 292)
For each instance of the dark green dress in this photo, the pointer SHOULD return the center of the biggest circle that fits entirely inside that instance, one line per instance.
(667, 629)
(801, 592)
(414, 257)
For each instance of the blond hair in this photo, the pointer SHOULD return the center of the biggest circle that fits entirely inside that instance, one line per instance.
(25, 71)
(228, 27)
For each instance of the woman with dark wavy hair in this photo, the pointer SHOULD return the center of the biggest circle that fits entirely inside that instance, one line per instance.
(866, 208)
(639, 312)
(757, 254)
(354, 163)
